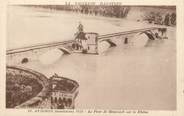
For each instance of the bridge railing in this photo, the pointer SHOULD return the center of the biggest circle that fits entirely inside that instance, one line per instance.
(34, 47)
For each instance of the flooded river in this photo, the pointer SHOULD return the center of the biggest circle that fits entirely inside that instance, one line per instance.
(124, 77)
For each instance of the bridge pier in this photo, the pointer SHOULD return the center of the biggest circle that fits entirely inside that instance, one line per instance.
(161, 33)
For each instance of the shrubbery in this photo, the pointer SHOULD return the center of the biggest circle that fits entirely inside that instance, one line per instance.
(160, 18)
(20, 88)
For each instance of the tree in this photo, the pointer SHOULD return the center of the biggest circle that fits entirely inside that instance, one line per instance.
(166, 20)
(173, 18)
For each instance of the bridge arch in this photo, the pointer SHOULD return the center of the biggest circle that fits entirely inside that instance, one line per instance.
(141, 39)
(110, 42)
(65, 50)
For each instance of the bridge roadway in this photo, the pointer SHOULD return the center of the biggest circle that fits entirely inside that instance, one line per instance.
(106, 36)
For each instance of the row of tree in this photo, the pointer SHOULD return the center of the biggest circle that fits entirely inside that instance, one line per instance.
(109, 11)
(161, 18)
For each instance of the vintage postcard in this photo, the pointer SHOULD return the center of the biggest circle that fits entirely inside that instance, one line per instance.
(92, 57)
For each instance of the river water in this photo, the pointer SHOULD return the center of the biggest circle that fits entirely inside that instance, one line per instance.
(124, 77)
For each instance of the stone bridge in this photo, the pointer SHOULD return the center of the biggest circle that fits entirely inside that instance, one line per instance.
(25, 54)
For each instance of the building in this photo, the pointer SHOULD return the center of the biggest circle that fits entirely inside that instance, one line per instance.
(86, 44)
(63, 92)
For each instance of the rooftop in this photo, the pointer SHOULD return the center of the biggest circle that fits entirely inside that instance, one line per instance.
(63, 84)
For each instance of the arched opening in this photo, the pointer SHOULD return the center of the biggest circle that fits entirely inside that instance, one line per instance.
(55, 100)
(112, 44)
(149, 35)
(126, 41)
(51, 56)
(60, 106)
(69, 101)
(24, 60)
(139, 40)
(64, 50)
(64, 100)
(60, 101)
(52, 101)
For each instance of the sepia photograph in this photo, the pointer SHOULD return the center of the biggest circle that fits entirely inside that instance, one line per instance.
(88, 56)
